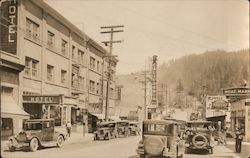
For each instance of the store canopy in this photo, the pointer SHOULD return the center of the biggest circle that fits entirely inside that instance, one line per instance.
(99, 116)
(9, 106)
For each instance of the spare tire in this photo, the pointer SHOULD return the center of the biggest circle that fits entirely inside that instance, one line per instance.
(198, 139)
(153, 146)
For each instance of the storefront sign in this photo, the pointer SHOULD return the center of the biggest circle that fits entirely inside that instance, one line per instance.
(42, 99)
(236, 91)
(8, 27)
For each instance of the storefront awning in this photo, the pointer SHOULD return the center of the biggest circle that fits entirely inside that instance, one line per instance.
(99, 116)
(9, 106)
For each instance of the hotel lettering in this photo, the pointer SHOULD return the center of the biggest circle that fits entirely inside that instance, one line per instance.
(8, 28)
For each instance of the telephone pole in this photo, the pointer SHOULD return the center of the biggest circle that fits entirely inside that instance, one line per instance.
(111, 30)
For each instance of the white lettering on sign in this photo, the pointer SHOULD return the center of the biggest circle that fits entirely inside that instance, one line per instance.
(12, 17)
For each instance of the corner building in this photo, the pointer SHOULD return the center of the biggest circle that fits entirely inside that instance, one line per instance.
(57, 65)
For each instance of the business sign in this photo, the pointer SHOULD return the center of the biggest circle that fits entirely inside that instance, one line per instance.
(8, 27)
(42, 99)
(240, 92)
(220, 105)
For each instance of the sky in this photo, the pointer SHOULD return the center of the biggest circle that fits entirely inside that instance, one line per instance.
(166, 28)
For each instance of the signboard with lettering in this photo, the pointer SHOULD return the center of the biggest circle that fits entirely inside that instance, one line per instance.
(8, 27)
(240, 92)
(220, 105)
(42, 99)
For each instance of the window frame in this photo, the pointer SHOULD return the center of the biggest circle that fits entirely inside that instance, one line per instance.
(50, 77)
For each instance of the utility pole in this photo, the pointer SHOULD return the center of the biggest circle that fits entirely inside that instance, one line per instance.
(109, 43)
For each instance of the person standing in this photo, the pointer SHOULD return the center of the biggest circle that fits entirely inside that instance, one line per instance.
(238, 140)
(68, 127)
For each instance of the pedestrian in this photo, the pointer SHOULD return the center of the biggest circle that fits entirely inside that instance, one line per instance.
(68, 127)
(238, 140)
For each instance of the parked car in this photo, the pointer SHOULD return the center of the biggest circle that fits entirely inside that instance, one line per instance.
(123, 128)
(106, 131)
(134, 128)
(199, 136)
(160, 139)
(37, 133)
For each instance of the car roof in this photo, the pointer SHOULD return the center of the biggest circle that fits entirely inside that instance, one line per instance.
(39, 120)
(159, 121)
(194, 122)
(108, 122)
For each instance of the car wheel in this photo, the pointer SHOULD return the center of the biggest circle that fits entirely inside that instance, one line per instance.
(12, 148)
(142, 156)
(60, 141)
(34, 144)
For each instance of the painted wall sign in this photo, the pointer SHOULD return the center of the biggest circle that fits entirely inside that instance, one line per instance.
(8, 27)
(42, 99)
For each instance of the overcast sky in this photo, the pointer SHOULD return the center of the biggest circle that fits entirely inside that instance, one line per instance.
(167, 28)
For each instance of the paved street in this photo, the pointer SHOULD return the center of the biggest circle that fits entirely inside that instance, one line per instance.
(124, 148)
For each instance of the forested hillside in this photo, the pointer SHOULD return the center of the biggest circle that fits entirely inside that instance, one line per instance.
(206, 73)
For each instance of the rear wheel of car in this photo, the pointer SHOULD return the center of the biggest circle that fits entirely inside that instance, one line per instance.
(60, 141)
(142, 156)
(34, 144)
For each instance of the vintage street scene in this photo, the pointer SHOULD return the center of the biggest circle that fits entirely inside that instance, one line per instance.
(125, 78)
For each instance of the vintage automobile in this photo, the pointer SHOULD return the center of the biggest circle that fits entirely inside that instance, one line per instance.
(198, 135)
(160, 139)
(123, 128)
(37, 133)
(106, 131)
(134, 128)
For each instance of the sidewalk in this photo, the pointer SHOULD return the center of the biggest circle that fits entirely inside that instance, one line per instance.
(76, 137)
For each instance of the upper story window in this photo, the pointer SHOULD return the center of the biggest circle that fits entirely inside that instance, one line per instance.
(97, 88)
(98, 65)
(92, 62)
(80, 56)
(73, 52)
(92, 86)
(64, 47)
(50, 73)
(111, 94)
(31, 67)
(32, 29)
(51, 39)
(63, 77)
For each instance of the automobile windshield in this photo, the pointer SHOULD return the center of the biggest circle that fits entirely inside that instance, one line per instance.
(32, 126)
(158, 128)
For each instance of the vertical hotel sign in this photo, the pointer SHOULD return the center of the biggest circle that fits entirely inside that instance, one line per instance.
(8, 26)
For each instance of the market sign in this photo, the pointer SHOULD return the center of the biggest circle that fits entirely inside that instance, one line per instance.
(240, 92)
(8, 27)
(42, 99)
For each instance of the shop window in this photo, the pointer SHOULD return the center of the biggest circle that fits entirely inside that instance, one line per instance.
(7, 127)
(51, 39)
(63, 77)
(32, 29)
(31, 67)
(64, 47)
(55, 113)
(50, 72)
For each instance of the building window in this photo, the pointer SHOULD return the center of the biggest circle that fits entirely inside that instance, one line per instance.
(92, 63)
(111, 93)
(73, 52)
(32, 29)
(64, 47)
(63, 77)
(51, 39)
(75, 74)
(92, 86)
(31, 67)
(50, 72)
(97, 88)
(7, 91)
(81, 82)
(98, 66)
(80, 56)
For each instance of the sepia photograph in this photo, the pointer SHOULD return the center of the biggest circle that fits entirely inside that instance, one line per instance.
(125, 78)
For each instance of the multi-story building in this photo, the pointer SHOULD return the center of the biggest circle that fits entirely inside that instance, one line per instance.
(63, 67)
(132, 89)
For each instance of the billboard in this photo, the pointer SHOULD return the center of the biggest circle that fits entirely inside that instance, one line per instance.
(8, 26)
